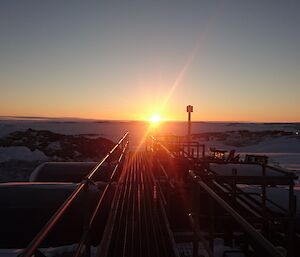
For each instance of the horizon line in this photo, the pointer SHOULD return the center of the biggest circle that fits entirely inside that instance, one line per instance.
(25, 117)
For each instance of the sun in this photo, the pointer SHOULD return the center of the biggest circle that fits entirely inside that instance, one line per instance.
(155, 118)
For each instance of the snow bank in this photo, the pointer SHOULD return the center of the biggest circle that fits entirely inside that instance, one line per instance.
(286, 148)
(20, 153)
(274, 145)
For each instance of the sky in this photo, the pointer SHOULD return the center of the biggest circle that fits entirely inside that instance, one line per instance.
(233, 60)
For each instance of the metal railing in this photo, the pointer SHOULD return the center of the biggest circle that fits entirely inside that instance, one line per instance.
(177, 147)
(82, 187)
(267, 177)
(258, 239)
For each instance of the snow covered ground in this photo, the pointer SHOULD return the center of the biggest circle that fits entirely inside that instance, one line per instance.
(20, 153)
(282, 150)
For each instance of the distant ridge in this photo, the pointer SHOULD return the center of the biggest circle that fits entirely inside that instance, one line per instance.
(76, 119)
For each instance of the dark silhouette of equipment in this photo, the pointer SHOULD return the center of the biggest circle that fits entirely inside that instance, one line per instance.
(148, 203)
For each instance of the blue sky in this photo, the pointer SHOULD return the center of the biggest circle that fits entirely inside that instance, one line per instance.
(232, 60)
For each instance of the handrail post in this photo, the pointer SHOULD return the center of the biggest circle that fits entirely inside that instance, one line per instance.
(263, 201)
(86, 223)
(212, 217)
(195, 239)
(291, 225)
(234, 187)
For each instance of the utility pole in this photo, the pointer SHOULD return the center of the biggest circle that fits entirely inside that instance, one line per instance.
(189, 110)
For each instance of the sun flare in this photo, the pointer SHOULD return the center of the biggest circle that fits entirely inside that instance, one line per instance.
(155, 118)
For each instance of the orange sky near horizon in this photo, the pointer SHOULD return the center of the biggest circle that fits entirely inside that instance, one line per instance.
(231, 60)
(176, 113)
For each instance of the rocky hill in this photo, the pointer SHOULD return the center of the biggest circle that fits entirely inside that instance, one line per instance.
(58, 146)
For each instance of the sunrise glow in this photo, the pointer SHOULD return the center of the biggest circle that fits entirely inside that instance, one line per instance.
(152, 62)
(155, 118)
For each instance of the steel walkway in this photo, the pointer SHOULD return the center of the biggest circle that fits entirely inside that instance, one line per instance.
(126, 216)
(137, 224)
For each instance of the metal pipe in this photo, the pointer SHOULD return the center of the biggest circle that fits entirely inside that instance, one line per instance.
(250, 230)
(291, 225)
(94, 170)
(198, 235)
(38, 239)
(30, 250)
(80, 244)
